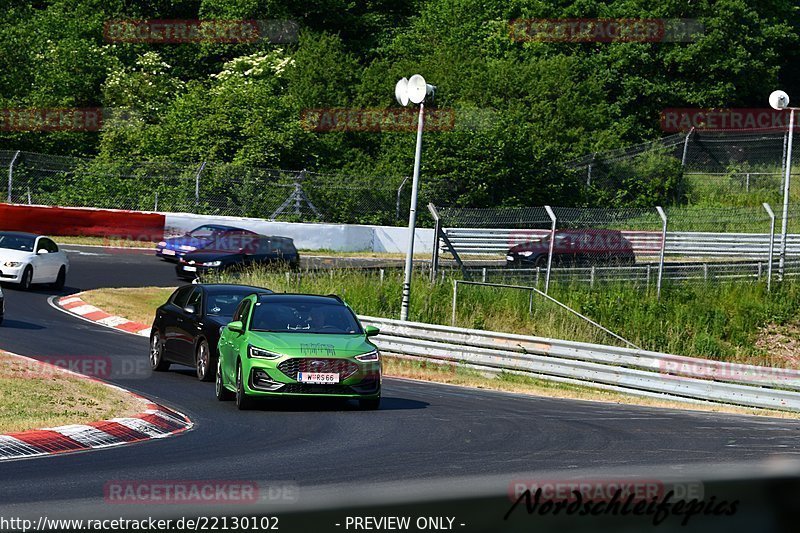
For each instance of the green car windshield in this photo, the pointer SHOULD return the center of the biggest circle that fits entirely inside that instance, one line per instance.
(303, 315)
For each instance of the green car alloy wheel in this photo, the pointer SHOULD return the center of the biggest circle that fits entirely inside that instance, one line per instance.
(297, 345)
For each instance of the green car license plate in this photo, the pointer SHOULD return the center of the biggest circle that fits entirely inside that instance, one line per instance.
(319, 378)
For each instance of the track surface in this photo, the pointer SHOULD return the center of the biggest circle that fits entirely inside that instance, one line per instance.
(423, 431)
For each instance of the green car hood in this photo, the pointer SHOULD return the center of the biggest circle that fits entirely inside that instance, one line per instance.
(311, 344)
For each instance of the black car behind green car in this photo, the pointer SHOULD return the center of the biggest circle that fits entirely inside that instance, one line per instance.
(186, 328)
(262, 250)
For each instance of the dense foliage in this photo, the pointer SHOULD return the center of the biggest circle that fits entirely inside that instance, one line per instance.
(538, 103)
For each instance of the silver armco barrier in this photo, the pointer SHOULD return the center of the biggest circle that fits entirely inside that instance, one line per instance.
(625, 370)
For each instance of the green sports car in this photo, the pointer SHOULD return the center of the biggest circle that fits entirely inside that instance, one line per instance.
(295, 345)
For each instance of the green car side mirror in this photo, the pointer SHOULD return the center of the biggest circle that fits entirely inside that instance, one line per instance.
(371, 331)
(236, 326)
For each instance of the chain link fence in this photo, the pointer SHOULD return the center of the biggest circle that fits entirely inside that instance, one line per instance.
(204, 188)
(643, 246)
(701, 167)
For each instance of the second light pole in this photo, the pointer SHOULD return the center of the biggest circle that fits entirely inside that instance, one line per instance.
(412, 90)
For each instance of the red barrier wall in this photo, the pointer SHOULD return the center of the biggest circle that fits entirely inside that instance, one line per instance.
(133, 225)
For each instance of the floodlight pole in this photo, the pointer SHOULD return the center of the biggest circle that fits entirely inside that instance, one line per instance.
(788, 173)
(412, 218)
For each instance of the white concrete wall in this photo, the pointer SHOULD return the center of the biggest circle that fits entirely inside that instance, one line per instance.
(339, 237)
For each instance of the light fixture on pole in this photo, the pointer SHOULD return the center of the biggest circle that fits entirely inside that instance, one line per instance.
(779, 100)
(413, 90)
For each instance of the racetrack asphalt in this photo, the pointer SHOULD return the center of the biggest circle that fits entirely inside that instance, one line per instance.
(422, 432)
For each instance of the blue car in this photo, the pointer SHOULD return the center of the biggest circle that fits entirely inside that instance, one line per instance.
(208, 236)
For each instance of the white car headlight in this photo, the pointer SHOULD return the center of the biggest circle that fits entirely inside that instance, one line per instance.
(261, 353)
(162, 244)
(212, 263)
(526, 254)
(12, 264)
(187, 248)
(369, 357)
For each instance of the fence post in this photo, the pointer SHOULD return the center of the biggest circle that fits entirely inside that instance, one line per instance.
(663, 216)
(399, 190)
(686, 147)
(591, 278)
(589, 172)
(455, 301)
(483, 276)
(552, 216)
(771, 214)
(437, 228)
(155, 204)
(197, 185)
(11, 174)
(530, 303)
(747, 183)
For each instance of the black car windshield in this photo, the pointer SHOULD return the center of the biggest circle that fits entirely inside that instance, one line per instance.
(223, 302)
(17, 242)
(303, 316)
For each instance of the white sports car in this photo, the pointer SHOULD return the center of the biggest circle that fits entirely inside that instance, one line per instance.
(26, 259)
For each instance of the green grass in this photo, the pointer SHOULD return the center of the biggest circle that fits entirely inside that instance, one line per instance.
(716, 320)
(36, 395)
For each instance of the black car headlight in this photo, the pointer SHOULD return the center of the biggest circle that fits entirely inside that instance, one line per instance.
(369, 357)
(260, 353)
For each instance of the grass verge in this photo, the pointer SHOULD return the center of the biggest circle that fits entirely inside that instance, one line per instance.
(138, 305)
(36, 396)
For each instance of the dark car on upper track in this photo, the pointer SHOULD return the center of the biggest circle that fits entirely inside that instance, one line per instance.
(215, 236)
(261, 250)
(187, 326)
(579, 247)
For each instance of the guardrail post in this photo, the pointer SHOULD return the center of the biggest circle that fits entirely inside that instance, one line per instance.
(663, 216)
(11, 174)
(705, 271)
(455, 301)
(771, 214)
(552, 216)
(437, 229)
(483, 275)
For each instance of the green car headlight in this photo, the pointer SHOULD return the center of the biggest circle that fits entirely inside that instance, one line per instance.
(369, 357)
(260, 353)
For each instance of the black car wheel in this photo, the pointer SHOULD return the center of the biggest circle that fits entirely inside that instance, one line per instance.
(222, 393)
(157, 361)
(541, 261)
(202, 358)
(27, 279)
(61, 279)
(243, 402)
